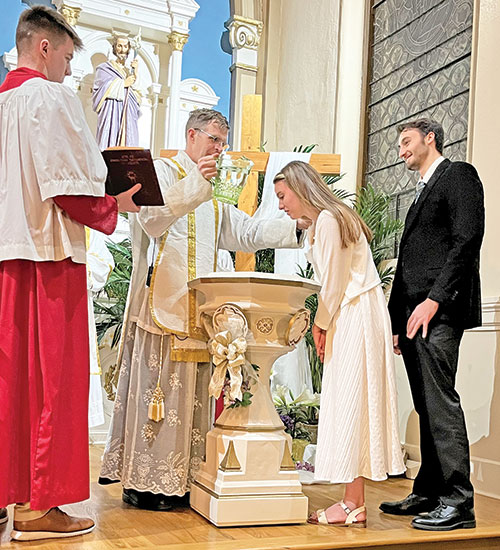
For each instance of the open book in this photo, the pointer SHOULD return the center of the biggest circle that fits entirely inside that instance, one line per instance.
(128, 166)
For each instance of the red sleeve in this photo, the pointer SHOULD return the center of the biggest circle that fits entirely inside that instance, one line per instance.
(100, 213)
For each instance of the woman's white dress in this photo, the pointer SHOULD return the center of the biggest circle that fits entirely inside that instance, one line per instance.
(358, 431)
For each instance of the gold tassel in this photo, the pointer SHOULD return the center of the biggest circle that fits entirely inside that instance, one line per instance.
(156, 407)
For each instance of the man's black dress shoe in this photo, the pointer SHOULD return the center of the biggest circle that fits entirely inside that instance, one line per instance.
(446, 518)
(412, 505)
(146, 500)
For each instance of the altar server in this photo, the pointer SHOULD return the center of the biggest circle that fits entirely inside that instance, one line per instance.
(51, 183)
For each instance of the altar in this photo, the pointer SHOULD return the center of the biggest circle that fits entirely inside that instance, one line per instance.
(249, 477)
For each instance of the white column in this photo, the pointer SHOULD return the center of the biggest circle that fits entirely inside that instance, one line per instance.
(351, 67)
(244, 38)
(154, 91)
(177, 41)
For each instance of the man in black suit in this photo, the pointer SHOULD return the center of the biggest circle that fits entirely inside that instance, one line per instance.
(435, 296)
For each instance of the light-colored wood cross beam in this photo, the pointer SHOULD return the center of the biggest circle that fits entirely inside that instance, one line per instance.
(323, 163)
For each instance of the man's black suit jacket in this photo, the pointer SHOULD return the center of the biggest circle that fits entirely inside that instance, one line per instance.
(439, 249)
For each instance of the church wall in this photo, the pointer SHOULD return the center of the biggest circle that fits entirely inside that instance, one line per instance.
(483, 346)
(299, 74)
(351, 69)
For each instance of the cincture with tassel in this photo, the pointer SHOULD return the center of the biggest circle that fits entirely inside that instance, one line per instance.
(156, 407)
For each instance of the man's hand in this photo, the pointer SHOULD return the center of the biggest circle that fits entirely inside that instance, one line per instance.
(125, 202)
(129, 81)
(303, 223)
(206, 165)
(319, 336)
(421, 317)
(395, 344)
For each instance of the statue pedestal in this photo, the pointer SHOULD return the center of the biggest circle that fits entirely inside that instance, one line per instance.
(249, 476)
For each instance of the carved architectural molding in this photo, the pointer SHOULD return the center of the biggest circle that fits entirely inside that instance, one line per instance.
(177, 40)
(69, 9)
(490, 308)
(71, 14)
(243, 32)
(181, 12)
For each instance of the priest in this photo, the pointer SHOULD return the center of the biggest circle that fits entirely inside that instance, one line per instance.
(51, 185)
(161, 414)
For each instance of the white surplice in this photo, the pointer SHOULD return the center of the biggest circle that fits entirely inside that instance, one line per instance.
(32, 226)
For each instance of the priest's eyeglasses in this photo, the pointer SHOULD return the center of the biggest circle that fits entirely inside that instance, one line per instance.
(217, 140)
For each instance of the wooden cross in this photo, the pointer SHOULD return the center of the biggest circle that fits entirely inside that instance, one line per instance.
(250, 145)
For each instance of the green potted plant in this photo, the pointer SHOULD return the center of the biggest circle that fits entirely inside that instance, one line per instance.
(109, 306)
(299, 416)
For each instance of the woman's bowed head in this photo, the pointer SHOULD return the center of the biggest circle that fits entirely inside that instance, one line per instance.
(303, 194)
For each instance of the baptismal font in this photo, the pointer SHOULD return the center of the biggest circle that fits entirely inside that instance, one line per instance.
(249, 477)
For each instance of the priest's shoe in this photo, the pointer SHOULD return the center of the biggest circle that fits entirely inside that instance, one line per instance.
(446, 518)
(52, 525)
(409, 506)
(147, 500)
(3, 516)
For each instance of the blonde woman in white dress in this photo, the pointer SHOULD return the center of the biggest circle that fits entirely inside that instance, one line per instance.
(358, 434)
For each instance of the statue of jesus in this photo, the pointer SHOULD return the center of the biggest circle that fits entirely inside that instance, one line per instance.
(115, 99)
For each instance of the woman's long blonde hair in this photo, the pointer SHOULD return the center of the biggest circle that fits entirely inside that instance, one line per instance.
(309, 186)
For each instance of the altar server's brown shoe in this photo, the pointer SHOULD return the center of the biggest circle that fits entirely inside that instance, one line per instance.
(3, 516)
(53, 525)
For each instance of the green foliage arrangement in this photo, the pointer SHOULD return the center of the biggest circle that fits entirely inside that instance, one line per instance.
(296, 411)
(110, 311)
(373, 206)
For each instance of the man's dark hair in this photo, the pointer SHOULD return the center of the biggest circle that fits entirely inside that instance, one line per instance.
(43, 19)
(200, 118)
(424, 126)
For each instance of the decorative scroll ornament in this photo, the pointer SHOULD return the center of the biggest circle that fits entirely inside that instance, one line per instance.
(177, 40)
(70, 13)
(297, 327)
(244, 33)
(229, 358)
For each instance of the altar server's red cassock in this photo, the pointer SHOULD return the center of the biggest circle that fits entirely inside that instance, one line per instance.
(51, 184)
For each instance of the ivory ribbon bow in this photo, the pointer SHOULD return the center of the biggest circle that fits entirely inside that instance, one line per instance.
(228, 356)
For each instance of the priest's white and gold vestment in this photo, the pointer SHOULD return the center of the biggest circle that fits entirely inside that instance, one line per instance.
(179, 241)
